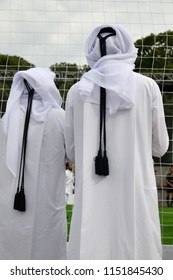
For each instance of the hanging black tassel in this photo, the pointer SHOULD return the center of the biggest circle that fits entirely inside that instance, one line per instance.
(101, 161)
(19, 201)
(101, 164)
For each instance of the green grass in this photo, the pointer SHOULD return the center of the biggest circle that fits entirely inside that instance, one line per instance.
(166, 221)
(69, 209)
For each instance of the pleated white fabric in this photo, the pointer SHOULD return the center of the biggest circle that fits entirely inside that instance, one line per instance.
(113, 71)
(47, 96)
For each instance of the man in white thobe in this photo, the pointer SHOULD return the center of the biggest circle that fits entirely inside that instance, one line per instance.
(40, 231)
(115, 216)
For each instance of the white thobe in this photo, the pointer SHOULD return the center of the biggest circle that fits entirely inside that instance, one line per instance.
(40, 232)
(116, 217)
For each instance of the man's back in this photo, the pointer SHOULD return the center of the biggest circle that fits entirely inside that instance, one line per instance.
(121, 209)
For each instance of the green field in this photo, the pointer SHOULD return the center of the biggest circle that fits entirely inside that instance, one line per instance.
(166, 221)
(69, 209)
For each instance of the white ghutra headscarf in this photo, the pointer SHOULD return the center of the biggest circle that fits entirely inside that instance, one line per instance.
(45, 98)
(114, 71)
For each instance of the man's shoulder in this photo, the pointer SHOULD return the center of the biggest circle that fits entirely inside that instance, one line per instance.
(144, 78)
(147, 84)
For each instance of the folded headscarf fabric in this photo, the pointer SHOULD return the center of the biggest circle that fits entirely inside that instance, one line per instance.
(45, 98)
(114, 71)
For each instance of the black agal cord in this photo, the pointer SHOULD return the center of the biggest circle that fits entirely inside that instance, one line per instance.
(19, 200)
(101, 160)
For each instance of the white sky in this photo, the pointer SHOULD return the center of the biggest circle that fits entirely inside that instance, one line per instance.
(48, 31)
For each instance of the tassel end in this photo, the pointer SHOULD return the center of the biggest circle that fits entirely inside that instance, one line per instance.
(19, 201)
(101, 164)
